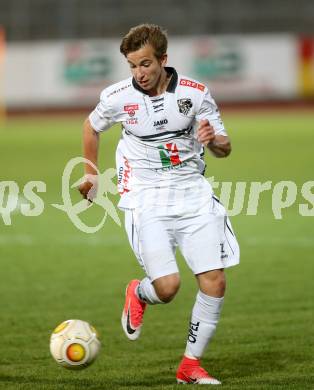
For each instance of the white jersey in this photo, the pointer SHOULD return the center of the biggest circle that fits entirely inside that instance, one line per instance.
(158, 149)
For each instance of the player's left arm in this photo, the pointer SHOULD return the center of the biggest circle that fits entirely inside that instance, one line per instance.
(218, 144)
(211, 131)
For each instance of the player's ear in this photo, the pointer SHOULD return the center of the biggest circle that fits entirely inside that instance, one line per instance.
(163, 59)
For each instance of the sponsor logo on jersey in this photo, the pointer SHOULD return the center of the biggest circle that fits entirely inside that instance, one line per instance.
(124, 176)
(169, 155)
(132, 121)
(192, 84)
(130, 109)
(184, 105)
(193, 332)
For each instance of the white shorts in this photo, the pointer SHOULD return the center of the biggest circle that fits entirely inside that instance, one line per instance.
(206, 239)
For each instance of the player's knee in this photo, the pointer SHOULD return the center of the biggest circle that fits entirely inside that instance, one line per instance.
(167, 294)
(167, 287)
(220, 286)
(213, 283)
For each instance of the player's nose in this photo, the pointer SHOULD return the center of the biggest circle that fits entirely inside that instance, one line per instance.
(139, 75)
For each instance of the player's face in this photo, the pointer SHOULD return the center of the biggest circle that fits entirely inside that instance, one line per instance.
(146, 68)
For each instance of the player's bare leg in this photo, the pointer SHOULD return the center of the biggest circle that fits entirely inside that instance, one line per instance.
(139, 294)
(212, 283)
(205, 316)
(167, 286)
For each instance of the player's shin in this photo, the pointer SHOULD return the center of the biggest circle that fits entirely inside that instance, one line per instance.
(204, 319)
(146, 292)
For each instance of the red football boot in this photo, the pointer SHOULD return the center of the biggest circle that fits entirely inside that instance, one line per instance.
(133, 311)
(190, 371)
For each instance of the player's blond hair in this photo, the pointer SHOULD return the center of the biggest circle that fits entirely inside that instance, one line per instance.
(145, 34)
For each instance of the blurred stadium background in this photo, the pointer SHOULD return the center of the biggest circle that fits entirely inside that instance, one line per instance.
(258, 60)
(60, 54)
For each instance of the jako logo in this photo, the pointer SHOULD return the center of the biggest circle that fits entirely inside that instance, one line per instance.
(169, 155)
(161, 122)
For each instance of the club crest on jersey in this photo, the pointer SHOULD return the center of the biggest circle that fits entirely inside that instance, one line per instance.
(184, 105)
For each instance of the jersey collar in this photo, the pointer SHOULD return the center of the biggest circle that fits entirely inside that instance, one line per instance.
(171, 86)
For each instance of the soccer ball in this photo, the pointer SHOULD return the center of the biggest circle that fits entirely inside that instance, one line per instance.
(74, 344)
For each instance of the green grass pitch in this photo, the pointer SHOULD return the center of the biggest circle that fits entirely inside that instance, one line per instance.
(50, 271)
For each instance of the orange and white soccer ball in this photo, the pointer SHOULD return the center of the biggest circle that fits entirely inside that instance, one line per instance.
(74, 344)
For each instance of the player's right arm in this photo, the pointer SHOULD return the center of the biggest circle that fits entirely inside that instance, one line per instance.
(90, 150)
(99, 120)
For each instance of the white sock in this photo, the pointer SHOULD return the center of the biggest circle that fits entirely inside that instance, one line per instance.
(205, 316)
(146, 292)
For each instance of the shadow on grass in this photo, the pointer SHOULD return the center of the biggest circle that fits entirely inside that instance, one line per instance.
(234, 370)
(76, 383)
(273, 366)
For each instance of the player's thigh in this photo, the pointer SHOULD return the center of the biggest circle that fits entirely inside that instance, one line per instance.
(206, 241)
(152, 240)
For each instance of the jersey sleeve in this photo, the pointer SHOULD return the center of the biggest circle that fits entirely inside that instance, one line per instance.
(101, 118)
(209, 110)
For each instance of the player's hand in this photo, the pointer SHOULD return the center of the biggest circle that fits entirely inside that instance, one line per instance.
(205, 132)
(88, 188)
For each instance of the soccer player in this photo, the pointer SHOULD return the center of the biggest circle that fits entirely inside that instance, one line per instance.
(167, 121)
